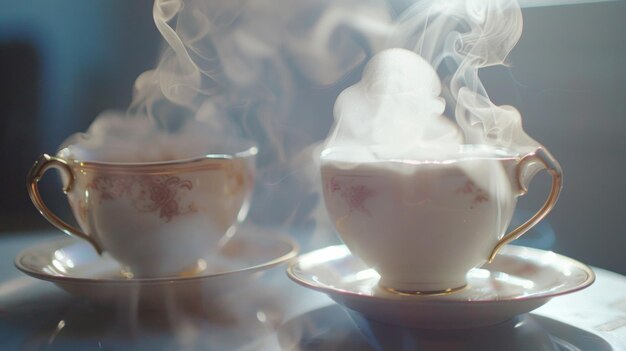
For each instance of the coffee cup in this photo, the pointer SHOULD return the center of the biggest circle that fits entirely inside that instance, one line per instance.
(157, 219)
(424, 224)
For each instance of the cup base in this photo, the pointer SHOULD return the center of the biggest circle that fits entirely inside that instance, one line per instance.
(423, 293)
(188, 271)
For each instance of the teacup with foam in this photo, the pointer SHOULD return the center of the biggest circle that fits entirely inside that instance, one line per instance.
(405, 190)
(157, 212)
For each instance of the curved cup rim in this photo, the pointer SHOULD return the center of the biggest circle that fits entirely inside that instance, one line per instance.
(247, 152)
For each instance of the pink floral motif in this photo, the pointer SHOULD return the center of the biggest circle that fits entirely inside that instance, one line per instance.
(354, 195)
(147, 193)
(111, 187)
(470, 188)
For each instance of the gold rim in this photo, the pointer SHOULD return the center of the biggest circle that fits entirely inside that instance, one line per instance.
(156, 169)
(290, 252)
(206, 162)
(590, 277)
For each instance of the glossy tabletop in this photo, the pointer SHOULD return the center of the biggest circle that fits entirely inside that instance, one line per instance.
(270, 312)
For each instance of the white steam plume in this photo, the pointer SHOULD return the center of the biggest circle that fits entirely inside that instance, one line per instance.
(451, 41)
(236, 70)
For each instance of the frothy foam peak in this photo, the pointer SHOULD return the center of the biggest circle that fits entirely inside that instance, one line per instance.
(396, 107)
(113, 137)
(348, 156)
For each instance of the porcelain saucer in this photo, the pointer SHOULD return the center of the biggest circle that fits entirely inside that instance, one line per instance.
(519, 280)
(74, 266)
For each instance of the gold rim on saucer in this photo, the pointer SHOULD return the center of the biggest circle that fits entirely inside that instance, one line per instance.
(33, 261)
(519, 280)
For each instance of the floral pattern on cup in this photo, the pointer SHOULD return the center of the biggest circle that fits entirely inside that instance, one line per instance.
(480, 195)
(146, 193)
(354, 195)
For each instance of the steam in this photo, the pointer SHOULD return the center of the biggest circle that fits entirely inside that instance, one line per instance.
(397, 106)
(235, 72)
(268, 72)
(395, 110)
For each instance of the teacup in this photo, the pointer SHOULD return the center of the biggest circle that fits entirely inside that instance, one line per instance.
(156, 218)
(423, 225)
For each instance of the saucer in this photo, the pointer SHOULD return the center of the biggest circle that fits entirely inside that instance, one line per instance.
(519, 280)
(74, 266)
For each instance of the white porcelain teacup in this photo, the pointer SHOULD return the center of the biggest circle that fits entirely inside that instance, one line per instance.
(423, 225)
(156, 218)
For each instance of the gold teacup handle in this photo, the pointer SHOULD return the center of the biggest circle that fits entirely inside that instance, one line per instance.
(548, 162)
(41, 166)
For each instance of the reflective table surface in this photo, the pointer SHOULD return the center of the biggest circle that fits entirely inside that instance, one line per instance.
(269, 312)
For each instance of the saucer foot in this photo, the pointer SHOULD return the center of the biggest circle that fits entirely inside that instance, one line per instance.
(423, 293)
(190, 271)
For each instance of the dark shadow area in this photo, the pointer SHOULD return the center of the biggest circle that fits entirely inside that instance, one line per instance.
(61, 64)
(566, 77)
(332, 328)
(20, 69)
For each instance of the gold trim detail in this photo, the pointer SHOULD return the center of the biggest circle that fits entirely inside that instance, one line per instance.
(207, 162)
(155, 169)
(291, 251)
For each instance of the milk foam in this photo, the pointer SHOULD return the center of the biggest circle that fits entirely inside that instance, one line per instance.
(113, 137)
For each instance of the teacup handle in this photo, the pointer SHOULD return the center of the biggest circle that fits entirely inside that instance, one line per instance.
(544, 159)
(41, 166)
